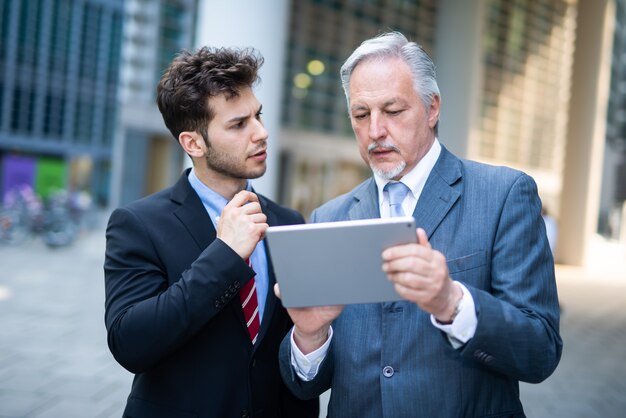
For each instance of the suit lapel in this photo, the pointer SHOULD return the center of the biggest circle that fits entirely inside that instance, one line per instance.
(192, 213)
(439, 194)
(365, 202)
(270, 298)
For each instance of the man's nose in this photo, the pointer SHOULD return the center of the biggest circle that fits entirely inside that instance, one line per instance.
(377, 128)
(260, 133)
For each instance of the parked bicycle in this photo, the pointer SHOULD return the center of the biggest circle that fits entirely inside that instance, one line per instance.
(59, 221)
(21, 215)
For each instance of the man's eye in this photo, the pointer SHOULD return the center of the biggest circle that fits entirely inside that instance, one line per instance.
(238, 125)
(360, 116)
(394, 112)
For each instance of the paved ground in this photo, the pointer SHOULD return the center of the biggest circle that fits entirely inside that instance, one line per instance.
(54, 361)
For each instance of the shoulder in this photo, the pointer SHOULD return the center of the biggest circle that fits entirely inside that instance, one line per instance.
(337, 209)
(482, 182)
(486, 186)
(149, 204)
(492, 176)
(148, 211)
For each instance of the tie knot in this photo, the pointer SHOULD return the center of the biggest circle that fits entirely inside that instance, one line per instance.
(397, 192)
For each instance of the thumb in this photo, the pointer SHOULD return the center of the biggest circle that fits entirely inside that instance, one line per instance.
(422, 238)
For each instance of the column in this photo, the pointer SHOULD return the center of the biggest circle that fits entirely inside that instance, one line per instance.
(586, 130)
(458, 57)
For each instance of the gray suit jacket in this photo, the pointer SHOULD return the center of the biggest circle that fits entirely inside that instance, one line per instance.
(486, 221)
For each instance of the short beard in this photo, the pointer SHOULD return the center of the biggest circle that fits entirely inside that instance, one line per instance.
(386, 174)
(228, 165)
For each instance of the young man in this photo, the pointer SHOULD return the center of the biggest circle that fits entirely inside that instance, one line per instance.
(189, 302)
(480, 309)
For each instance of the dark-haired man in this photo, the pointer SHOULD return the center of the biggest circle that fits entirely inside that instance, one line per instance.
(189, 302)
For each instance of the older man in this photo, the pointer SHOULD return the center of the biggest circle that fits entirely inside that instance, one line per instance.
(479, 310)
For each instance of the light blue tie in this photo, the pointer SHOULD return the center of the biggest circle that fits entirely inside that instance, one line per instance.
(397, 192)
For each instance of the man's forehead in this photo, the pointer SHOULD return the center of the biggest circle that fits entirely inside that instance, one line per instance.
(243, 104)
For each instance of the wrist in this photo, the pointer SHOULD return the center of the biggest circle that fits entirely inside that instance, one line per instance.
(308, 342)
(454, 307)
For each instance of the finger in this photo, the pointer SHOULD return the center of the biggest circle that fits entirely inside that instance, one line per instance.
(242, 198)
(405, 279)
(251, 208)
(262, 229)
(413, 265)
(258, 218)
(408, 293)
(277, 290)
(399, 251)
(422, 238)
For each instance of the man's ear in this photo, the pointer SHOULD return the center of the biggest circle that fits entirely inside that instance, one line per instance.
(433, 111)
(192, 143)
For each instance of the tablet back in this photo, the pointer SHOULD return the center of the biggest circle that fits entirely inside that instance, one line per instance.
(336, 263)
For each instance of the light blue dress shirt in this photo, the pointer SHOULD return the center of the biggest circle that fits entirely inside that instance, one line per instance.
(214, 204)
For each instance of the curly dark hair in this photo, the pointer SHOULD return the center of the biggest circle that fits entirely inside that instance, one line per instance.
(193, 77)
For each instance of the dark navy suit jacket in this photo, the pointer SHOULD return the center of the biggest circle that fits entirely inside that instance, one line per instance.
(487, 222)
(174, 318)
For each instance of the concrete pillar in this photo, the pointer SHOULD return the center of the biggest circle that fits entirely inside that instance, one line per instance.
(262, 25)
(458, 57)
(586, 130)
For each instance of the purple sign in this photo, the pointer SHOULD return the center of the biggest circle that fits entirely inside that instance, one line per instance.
(17, 171)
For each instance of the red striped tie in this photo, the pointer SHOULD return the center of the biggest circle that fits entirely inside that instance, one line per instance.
(250, 306)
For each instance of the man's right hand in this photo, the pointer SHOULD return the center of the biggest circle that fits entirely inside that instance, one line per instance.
(242, 224)
(311, 324)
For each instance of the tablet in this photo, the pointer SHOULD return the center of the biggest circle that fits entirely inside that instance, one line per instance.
(336, 263)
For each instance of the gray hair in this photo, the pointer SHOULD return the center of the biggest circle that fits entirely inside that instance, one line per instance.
(395, 44)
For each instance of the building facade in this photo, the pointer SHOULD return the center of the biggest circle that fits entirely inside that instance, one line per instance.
(536, 85)
(146, 156)
(59, 68)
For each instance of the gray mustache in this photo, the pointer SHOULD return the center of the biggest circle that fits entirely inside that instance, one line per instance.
(381, 146)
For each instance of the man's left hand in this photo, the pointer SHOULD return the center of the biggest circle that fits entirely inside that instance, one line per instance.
(420, 274)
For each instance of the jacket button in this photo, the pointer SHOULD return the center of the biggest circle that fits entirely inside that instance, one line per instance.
(482, 356)
(245, 414)
(388, 371)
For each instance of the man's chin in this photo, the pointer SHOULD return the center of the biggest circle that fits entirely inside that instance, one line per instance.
(388, 173)
(255, 174)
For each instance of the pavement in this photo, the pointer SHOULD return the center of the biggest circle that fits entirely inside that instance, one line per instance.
(54, 361)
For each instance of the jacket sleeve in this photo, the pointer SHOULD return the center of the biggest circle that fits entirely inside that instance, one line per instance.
(297, 386)
(148, 315)
(518, 318)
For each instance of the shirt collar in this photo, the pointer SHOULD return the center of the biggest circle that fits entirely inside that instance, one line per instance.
(416, 178)
(212, 201)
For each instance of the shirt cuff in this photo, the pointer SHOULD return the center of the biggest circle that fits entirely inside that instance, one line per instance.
(463, 328)
(306, 366)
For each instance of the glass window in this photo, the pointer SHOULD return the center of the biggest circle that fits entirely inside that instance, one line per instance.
(323, 33)
(528, 57)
